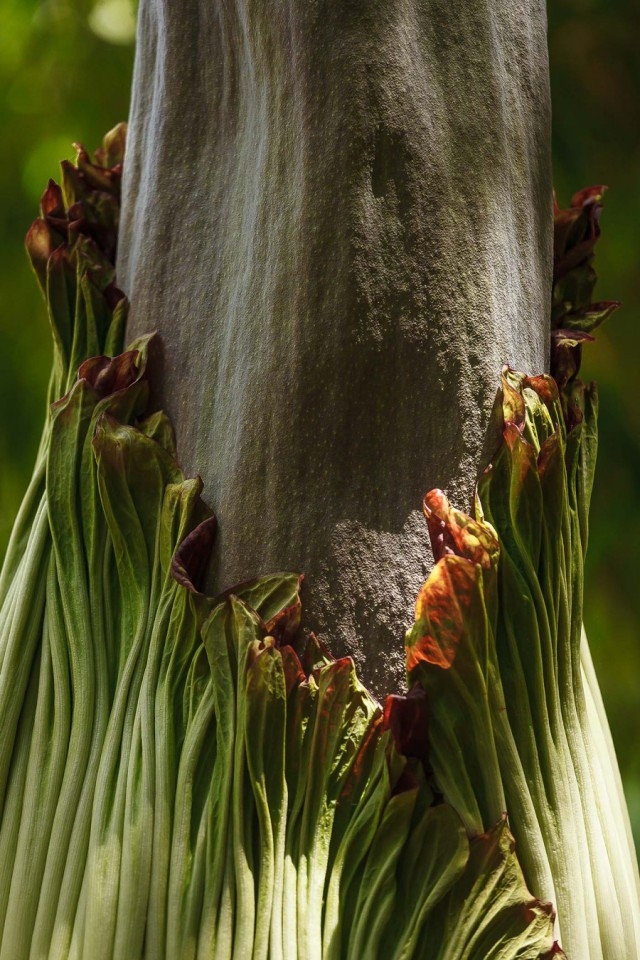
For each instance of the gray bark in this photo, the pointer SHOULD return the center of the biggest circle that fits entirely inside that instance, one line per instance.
(337, 213)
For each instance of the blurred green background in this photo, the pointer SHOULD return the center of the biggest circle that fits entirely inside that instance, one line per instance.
(65, 72)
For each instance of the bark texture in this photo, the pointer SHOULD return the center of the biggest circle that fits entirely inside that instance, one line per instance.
(337, 213)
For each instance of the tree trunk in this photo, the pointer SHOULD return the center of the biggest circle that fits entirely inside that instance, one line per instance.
(338, 217)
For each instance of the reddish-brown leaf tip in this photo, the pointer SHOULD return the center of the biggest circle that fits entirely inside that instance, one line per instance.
(454, 532)
(406, 717)
(191, 559)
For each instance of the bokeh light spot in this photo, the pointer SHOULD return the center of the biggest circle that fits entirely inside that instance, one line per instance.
(113, 21)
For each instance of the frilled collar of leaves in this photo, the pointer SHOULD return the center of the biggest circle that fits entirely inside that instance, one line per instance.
(397, 814)
(83, 213)
(574, 316)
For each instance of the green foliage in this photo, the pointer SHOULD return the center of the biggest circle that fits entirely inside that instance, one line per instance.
(59, 82)
(66, 78)
(183, 776)
(595, 87)
(48, 53)
(498, 647)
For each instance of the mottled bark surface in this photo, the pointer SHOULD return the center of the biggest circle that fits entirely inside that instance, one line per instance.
(338, 216)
